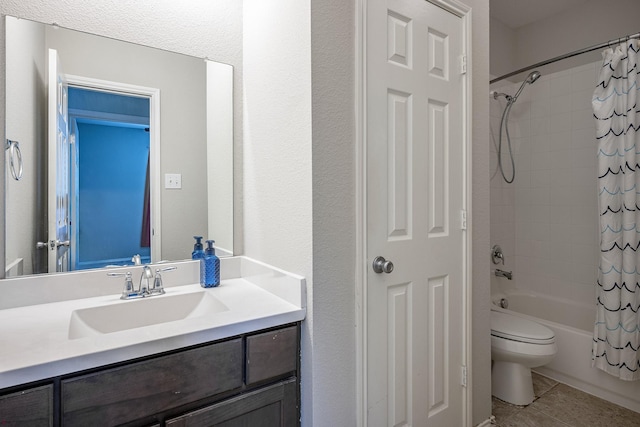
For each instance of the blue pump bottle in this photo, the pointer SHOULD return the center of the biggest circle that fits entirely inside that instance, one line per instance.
(198, 253)
(211, 266)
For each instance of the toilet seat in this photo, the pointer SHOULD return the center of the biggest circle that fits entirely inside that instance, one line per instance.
(516, 328)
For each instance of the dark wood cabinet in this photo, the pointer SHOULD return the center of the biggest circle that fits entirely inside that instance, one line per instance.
(32, 407)
(249, 380)
(142, 389)
(270, 406)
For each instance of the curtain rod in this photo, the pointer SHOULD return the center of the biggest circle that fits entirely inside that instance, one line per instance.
(565, 56)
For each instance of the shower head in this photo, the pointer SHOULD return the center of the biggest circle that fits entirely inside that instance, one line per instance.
(531, 78)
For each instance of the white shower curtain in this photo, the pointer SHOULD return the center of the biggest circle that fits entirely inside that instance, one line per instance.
(617, 114)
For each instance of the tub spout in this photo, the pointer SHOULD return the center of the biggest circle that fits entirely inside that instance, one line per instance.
(502, 273)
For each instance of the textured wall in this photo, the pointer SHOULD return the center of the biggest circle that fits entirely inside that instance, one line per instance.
(481, 330)
(277, 155)
(334, 358)
(207, 28)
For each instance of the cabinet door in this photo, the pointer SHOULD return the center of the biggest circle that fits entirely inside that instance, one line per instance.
(33, 408)
(143, 389)
(272, 406)
(272, 354)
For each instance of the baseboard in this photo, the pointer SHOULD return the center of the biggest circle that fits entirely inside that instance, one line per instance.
(488, 422)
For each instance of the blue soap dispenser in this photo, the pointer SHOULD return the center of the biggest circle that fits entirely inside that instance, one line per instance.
(198, 253)
(211, 266)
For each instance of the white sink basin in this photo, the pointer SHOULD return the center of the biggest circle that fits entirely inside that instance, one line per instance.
(133, 314)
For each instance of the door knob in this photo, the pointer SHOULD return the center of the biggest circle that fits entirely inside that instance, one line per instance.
(381, 265)
(57, 243)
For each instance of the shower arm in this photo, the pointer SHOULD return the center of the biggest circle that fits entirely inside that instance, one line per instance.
(496, 95)
(530, 79)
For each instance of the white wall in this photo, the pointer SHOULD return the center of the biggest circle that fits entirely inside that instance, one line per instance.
(26, 124)
(503, 48)
(503, 194)
(592, 23)
(334, 227)
(277, 153)
(547, 221)
(481, 345)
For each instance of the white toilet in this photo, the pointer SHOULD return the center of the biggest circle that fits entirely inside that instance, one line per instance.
(517, 345)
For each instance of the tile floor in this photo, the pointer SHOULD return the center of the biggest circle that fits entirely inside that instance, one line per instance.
(558, 405)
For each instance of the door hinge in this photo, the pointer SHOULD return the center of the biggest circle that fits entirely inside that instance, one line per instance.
(463, 219)
(463, 64)
(463, 376)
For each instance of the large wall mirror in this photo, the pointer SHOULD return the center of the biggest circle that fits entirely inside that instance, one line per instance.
(114, 149)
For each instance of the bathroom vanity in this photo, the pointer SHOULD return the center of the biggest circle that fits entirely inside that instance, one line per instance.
(232, 363)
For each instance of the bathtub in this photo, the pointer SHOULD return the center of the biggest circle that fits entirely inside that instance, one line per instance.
(572, 324)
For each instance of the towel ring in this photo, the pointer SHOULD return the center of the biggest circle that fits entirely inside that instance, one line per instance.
(15, 157)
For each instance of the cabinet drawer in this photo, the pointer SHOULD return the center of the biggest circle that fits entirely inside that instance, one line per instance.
(142, 389)
(33, 407)
(271, 406)
(271, 354)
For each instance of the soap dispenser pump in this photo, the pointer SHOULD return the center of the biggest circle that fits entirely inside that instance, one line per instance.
(198, 253)
(211, 266)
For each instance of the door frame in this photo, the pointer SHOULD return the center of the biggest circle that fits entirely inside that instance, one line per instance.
(362, 263)
(154, 145)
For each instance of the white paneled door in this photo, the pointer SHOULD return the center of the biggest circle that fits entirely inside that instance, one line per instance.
(416, 217)
(59, 169)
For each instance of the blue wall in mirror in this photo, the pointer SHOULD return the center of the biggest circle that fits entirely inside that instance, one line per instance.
(110, 174)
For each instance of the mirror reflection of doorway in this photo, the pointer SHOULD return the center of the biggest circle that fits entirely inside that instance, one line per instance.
(110, 195)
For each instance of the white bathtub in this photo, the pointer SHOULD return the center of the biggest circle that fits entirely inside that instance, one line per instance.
(572, 323)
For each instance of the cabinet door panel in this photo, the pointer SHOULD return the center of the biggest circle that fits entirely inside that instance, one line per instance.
(272, 406)
(272, 354)
(146, 388)
(33, 408)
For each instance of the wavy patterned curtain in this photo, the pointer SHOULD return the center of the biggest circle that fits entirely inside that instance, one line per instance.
(617, 113)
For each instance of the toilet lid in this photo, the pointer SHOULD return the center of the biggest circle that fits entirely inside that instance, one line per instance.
(516, 328)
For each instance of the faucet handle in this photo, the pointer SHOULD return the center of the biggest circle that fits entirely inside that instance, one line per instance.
(158, 287)
(497, 255)
(136, 259)
(127, 291)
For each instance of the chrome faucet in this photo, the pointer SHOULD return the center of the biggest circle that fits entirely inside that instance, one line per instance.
(145, 276)
(502, 273)
(144, 290)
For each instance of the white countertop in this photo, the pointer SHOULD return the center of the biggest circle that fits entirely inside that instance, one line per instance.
(35, 339)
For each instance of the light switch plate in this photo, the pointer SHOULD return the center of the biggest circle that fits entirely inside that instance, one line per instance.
(172, 180)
